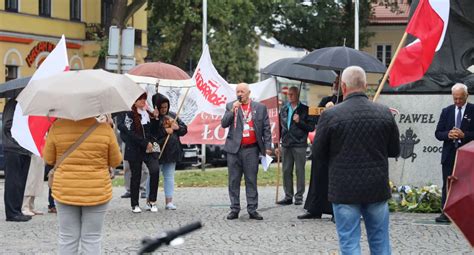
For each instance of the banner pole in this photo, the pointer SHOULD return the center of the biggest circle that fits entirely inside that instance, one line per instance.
(385, 77)
(278, 143)
(175, 118)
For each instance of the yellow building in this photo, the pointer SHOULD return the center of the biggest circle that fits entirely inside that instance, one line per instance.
(30, 29)
(388, 27)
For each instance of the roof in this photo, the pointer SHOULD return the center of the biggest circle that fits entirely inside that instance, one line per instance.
(384, 15)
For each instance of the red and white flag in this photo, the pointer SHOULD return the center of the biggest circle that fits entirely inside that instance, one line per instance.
(30, 131)
(428, 24)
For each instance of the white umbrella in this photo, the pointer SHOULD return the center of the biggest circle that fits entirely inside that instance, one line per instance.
(78, 95)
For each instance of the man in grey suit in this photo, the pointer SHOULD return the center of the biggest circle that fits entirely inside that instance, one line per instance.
(249, 135)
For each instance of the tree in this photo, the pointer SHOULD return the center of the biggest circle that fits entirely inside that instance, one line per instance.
(318, 24)
(121, 12)
(175, 35)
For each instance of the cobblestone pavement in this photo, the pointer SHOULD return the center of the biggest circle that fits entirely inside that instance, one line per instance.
(280, 232)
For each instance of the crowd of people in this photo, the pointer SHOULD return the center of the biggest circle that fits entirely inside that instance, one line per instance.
(349, 170)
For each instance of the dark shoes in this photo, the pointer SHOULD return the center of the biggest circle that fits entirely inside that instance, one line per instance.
(308, 216)
(298, 202)
(20, 218)
(255, 216)
(442, 219)
(52, 210)
(125, 195)
(286, 201)
(232, 215)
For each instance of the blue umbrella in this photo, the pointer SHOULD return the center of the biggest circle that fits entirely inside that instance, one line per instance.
(12, 88)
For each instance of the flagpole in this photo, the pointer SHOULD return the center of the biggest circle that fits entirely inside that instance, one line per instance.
(385, 77)
(175, 118)
(278, 145)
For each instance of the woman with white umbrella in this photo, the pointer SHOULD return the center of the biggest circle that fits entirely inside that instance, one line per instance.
(136, 126)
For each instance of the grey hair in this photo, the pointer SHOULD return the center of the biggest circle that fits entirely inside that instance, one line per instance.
(354, 77)
(459, 86)
(294, 88)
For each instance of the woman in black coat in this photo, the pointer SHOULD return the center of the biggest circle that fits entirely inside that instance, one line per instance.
(138, 130)
(172, 152)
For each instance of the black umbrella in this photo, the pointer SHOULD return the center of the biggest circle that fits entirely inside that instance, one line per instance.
(12, 88)
(287, 68)
(338, 58)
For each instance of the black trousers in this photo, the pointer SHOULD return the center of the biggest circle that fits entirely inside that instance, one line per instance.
(16, 172)
(136, 168)
(447, 171)
(51, 203)
(317, 199)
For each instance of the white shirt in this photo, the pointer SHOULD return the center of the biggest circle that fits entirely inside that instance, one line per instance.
(145, 116)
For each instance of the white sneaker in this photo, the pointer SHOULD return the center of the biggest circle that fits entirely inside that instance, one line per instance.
(151, 207)
(136, 209)
(170, 206)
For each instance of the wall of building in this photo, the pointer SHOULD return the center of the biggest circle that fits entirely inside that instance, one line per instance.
(27, 38)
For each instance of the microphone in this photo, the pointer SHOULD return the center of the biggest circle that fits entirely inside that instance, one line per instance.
(239, 98)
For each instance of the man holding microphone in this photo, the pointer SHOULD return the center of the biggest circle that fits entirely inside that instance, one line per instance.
(249, 136)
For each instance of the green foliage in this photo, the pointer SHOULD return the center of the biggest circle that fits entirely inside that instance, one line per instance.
(318, 24)
(175, 33)
(418, 200)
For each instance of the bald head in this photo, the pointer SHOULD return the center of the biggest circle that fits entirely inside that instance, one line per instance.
(243, 92)
(353, 80)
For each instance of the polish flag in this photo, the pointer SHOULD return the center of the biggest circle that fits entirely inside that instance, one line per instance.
(428, 24)
(30, 131)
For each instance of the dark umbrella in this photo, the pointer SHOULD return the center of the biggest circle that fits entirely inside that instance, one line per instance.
(12, 88)
(459, 203)
(287, 68)
(338, 58)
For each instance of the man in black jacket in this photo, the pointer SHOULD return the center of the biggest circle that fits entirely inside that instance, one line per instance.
(17, 163)
(355, 138)
(295, 126)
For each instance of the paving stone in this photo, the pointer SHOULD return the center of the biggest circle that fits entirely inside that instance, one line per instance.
(279, 233)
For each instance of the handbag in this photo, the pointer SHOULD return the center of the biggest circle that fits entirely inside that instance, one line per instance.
(69, 151)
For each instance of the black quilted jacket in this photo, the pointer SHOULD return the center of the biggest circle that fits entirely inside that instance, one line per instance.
(355, 138)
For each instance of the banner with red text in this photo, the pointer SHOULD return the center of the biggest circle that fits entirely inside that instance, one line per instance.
(212, 92)
(204, 125)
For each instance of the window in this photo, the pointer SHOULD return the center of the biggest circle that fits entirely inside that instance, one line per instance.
(75, 10)
(138, 37)
(11, 5)
(45, 8)
(106, 16)
(384, 53)
(11, 72)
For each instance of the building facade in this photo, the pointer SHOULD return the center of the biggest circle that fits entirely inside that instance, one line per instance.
(388, 26)
(30, 29)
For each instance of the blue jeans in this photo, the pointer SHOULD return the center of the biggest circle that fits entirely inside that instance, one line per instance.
(376, 218)
(168, 175)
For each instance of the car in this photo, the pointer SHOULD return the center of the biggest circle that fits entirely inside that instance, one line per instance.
(191, 156)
